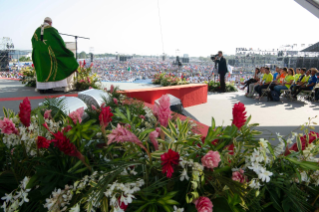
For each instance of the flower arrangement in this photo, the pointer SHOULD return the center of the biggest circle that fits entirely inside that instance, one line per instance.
(168, 79)
(215, 86)
(28, 76)
(86, 79)
(127, 157)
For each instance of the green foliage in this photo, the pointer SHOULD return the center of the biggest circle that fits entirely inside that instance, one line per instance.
(215, 86)
(28, 76)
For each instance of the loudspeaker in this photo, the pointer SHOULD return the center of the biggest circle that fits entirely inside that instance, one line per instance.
(94, 97)
(91, 57)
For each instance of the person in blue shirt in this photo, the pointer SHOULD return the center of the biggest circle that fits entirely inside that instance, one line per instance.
(309, 86)
(276, 73)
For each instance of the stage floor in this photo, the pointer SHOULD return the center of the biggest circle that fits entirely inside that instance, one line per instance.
(282, 117)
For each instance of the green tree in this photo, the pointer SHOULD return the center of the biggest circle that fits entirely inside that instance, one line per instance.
(82, 55)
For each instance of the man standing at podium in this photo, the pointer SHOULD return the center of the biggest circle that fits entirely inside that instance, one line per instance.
(53, 62)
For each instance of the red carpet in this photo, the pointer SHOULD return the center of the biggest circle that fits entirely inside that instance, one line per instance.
(190, 95)
(35, 97)
(9, 79)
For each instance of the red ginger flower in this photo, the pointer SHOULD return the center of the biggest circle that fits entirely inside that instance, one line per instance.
(105, 116)
(312, 137)
(43, 143)
(84, 63)
(239, 115)
(112, 88)
(25, 112)
(64, 145)
(203, 204)
(169, 159)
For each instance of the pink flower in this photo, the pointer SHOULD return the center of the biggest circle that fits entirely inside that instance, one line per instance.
(25, 112)
(163, 111)
(76, 116)
(88, 79)
(93, 107)
(142, 117)
(84, 63)
(211, 159)
(203, 204)
(105, 89)
(153, 136)
(12, 150)
(239, 115)
(121, 135)
(80, 64)
(82, 81)
(47, 114)
(91, 65)
(115, 101)
(112, 89)
(8, 127)
(90, 87)
(239, 176)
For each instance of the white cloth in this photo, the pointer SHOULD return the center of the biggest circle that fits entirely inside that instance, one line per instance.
(51, 85)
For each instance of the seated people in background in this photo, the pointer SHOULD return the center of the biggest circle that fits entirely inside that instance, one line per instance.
(299, 81)
(306, 78)
(252, 86)
(285, 85)
(266, 80)
(252, 80)
(297, 75)
(280, 78)
(307, 86)
(277, 72)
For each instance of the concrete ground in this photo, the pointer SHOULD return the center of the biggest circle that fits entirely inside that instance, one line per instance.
(282, 117)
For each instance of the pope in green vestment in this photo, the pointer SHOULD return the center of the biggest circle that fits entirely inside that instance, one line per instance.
(52, 60)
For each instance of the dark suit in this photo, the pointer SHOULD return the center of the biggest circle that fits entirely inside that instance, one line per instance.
(222, 70)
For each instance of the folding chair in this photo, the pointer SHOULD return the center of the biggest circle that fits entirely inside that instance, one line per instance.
(265, 91)
(307, 95)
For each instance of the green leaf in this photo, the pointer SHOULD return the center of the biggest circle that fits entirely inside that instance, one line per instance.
(221, 205)
(5, 112)
(299, 145)
(81, 170)
(286, 205)
(104, 205)
(213, 123)
(32, 182)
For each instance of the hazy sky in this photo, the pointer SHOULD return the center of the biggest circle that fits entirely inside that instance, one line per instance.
(197, 28)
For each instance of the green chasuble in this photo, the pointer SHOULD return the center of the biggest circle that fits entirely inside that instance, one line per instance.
(52, 60)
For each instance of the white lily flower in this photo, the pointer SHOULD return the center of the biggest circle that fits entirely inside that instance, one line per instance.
(184, 175)
(254, 184)
(75, 208)
(264, 175)
(178, 209)
(7, 197)
(256, 167)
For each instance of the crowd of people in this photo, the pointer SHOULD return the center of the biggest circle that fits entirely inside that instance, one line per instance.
(114, 70)
(10, 74)
(283, 80)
